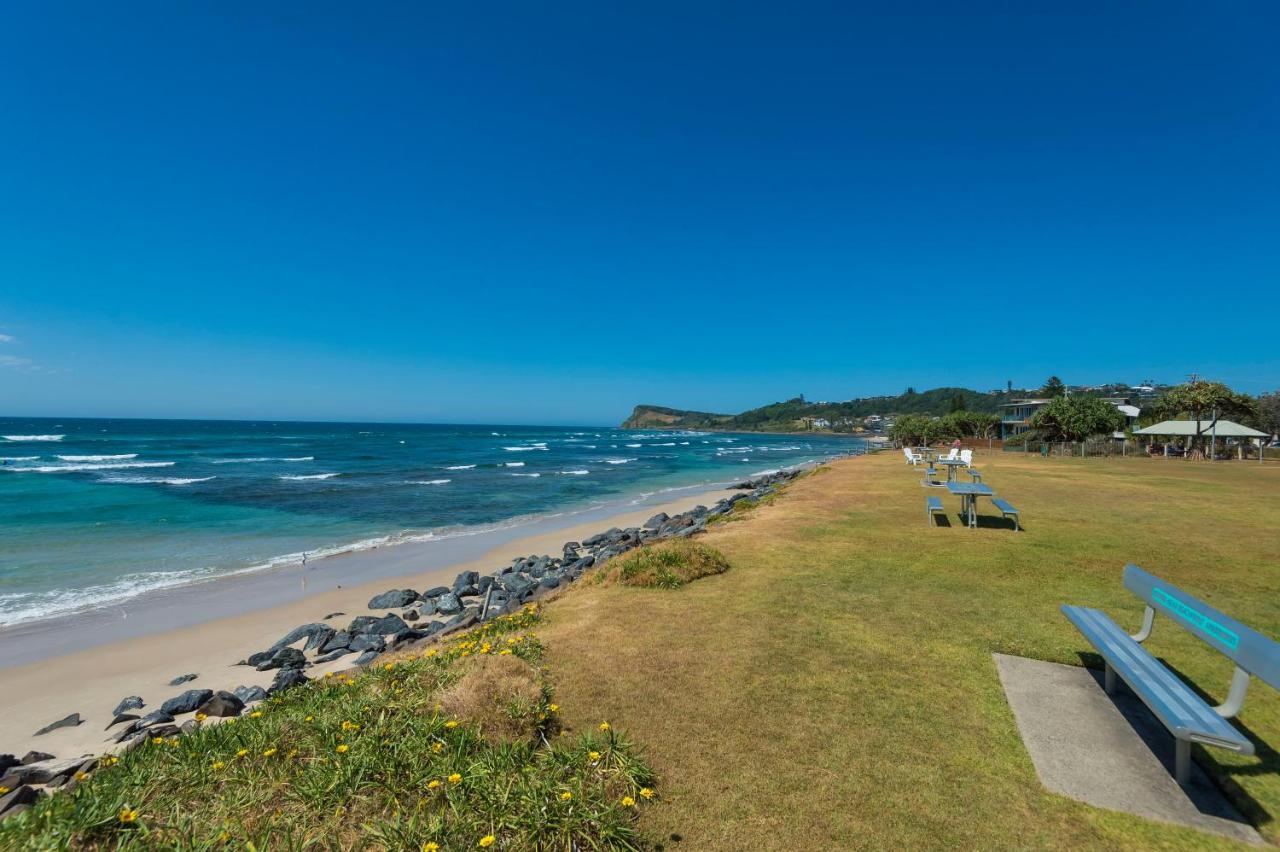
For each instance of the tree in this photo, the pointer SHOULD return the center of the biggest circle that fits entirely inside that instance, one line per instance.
(1269, 412)
(1074, 418)
(911, 429)
(1203, 402)
(1053, 388)
(957, 403)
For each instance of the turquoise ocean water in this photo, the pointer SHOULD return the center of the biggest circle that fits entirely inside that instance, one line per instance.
(94, 512)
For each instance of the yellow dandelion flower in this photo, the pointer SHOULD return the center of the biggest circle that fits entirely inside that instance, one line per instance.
(350, 726)
(505, 652)
(646, 793)
(566, 796)
(593, 755)
(452, 723)
(343, 749)
(269, 752)
(256, 714)
(200, 717)
(3, 790)
(157, 740)
(488, 840)
(218, 764)
(604, 726)
(433, 784)
(455, 778)
(388, 667)
(431, 846)
(81, 776)
(628, 802)
(554, 708)
(242, 752)
(309, 719)
(328, 675)
(431, 653)
(128, 816)
(437, 747)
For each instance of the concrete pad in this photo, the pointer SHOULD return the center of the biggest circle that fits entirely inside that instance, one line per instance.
(1108, 751)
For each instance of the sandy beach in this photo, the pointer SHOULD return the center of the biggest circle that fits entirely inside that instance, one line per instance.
(90, 663)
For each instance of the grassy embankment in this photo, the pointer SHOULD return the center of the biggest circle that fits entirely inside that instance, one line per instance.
(458, 747)
(835, 688)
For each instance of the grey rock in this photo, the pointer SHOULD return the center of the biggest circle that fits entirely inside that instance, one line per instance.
(366, 658)
(339, 640)
(361, 624)
(333, 615)
(17, 800)
(222, 704)
(656, 521)
(426, 608)
(121, 717)
(189, 727)
(333, 655)
(258, 658)
(187, 702)
(285, 658)
(69, 721)
(286, 679)
(133, 702)
(387, 625)
(7, 760)
(315, 633)
(464, 581)
(35, 757)
(181, 679)
(393, 599)
(249, 694)
(407, 636)
(436, 592)
(155, 717)
(409, 615)
(550, 581)
(448, 604)
(46, 770)
(486, 583)
(367, 641)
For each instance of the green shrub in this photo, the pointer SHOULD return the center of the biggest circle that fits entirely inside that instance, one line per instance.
(666, 565)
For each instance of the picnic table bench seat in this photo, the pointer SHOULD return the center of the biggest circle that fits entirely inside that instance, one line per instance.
(1006, 510)
(933, 506)
(1178, 707)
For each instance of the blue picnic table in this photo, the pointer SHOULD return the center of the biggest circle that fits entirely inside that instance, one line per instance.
(952, 464)
(969, 493)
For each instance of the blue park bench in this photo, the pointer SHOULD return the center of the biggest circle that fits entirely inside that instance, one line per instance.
(933, 506)
(1006, 510)
(1187, 716)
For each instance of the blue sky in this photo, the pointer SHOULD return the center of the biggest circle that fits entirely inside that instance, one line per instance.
(549, 212)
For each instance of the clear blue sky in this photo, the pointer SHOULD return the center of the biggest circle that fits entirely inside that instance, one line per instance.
(546, 212)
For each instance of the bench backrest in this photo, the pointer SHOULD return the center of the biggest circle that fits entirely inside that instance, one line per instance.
(966, 456)
(1250, 650)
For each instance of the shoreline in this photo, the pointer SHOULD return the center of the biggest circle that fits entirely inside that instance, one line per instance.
(86, 665)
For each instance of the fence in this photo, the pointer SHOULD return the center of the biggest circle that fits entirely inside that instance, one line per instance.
(1110, 448)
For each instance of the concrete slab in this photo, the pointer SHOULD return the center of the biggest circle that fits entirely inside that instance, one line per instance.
(1108, 751)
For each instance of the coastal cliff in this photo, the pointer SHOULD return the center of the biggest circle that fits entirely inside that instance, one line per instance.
(660, 417)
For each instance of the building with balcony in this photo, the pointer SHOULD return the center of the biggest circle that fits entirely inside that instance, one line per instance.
(1015, 417)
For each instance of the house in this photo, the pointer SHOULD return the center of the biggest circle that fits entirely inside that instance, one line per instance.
(816, 422)
(1016, 416)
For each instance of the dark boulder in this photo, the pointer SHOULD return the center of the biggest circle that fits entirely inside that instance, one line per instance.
(550, 581)
(426, 608)
(315, 633)
(69, 721)
(361, 624)
(187, 702)
(387, 625)
(486, 583)
(222, 704)
(181, 679)
(366, 658)
(7, 760)
(120, 717)
(393, 599)
(155, 717)
(133, 702)
(249, 694)
(287, 678)
(464, 581)
(285, 658)
(407, 636)
(448, 604)
(656, 521)
(35, 757)
(367, 641)
(339, 640)
(17, 800)
(333, 615)
(436, 592)
(333, 655)
(410, 615)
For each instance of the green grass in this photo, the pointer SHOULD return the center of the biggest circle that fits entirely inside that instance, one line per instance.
(665, 565)
(372, 761)
(836, 687)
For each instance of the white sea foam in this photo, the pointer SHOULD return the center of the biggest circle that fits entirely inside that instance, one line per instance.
(78, 468)
(17, 458)
(529, 475)
(33, 437)
(147, 480)
(119, 457)
(575, 472)
(264, 459)
(668, 444)
(460, 467)
(618, 461)
(429, 481)
(522, 449)
(634, 446)
(311, 476)
(513, 464)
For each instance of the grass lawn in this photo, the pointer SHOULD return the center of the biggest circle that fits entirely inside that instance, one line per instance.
(835, 687)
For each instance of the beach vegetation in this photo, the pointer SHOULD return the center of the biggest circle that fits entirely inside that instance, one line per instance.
(453, 747)
(665, 565)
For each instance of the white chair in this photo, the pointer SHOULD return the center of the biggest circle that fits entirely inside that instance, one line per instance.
(951, 455)
(966, 456)
(912, 458)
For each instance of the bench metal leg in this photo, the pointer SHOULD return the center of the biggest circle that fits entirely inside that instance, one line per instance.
(1182, 762)
(1108, 679)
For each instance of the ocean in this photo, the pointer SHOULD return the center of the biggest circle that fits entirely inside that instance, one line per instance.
(95, 512)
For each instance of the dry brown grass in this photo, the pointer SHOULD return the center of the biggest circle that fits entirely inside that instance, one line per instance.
(835, 689)
(665, 565)
(499, 694)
